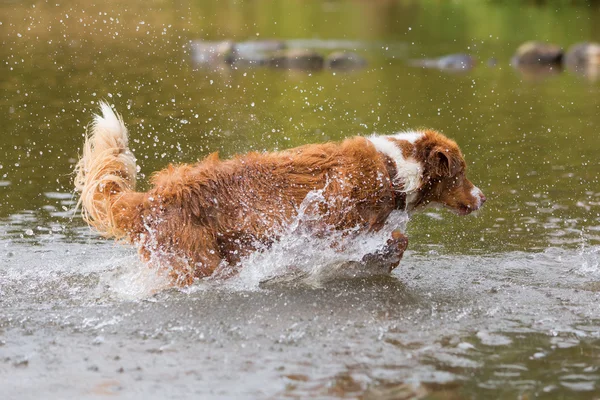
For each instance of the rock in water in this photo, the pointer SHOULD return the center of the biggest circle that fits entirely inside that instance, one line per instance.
(345, 61)
(584, 59)
(452, 62)
(256, 52)
(259, 46)
(298, 59)
(456, 62)
(538, 53)
(212, 53)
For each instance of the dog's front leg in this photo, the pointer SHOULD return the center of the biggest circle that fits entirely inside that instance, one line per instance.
(389, 256)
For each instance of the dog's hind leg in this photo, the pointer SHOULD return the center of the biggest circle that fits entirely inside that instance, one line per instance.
(181, 270)
(189, 254)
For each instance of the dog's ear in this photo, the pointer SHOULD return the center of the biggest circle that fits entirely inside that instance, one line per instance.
(444, 162)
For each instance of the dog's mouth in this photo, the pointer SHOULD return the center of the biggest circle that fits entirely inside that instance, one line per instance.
(460, 210)
(463, 210)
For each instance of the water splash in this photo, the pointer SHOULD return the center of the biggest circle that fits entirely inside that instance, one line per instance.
(312, 257)
(306, 252)
(590, 264)
(131, 279)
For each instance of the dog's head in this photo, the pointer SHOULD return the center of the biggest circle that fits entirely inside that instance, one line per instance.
(443, 179)
(435, 170)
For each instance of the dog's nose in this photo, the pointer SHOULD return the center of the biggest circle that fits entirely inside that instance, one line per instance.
(482, 198)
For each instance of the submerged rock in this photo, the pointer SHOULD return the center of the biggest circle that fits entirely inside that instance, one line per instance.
(298, 59)
(584, 59)
(259, 46)
(452, 62)
(271, 53)
(345, 60)
(250, 60)
(538, 53)
(255, 52)
(214, 53)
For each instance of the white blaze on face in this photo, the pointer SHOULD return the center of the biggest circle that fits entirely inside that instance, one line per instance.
(408, 170)
(477, 194)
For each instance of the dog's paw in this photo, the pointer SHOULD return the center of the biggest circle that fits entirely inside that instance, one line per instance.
(390, 255)
(399, 240)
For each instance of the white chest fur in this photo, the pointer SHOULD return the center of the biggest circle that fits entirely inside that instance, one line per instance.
(408, 169)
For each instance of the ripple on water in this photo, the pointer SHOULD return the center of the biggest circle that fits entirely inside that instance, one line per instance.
(60, 195)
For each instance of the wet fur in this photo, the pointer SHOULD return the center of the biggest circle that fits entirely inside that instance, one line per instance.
(197, 217)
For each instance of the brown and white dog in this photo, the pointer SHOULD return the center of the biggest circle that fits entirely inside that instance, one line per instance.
(198, 217)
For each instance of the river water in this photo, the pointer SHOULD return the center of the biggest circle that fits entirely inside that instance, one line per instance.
(504, 304)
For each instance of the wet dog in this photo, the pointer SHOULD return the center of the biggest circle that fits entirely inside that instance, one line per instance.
(199, 217)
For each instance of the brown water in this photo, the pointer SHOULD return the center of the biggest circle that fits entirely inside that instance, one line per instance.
(501, 305)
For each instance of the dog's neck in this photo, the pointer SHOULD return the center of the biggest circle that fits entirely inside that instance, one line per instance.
(399, 194)
(408, 170)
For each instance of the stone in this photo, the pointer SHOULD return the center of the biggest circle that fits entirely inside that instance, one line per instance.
(583, 54)
(259, 46)
(298, 59)
(256, 52)
(538, 53)
(212, 53)
(452, 62)
(345, 61)
(584, 59)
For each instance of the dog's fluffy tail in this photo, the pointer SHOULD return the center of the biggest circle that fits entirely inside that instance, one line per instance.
(106, 174)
